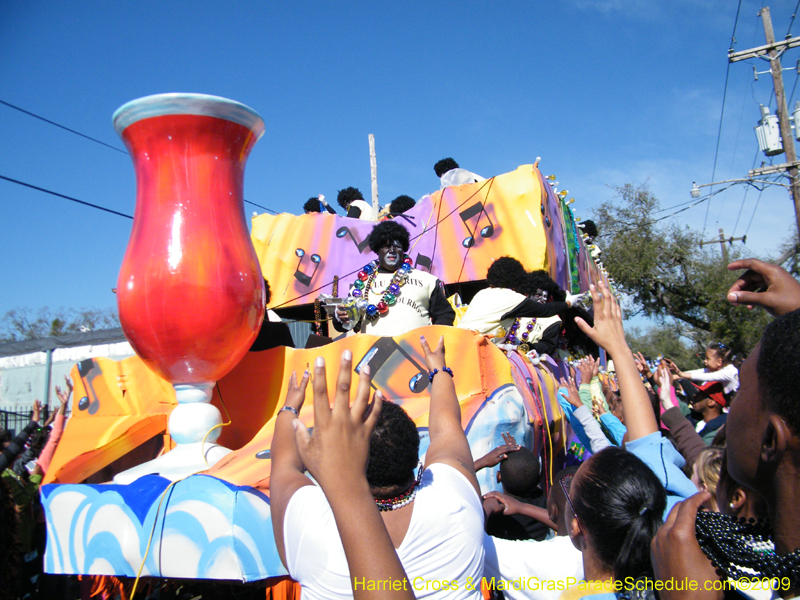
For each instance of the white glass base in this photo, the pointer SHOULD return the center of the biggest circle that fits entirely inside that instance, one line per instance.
(180, 462)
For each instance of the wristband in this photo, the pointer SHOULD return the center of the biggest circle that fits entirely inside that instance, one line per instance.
(290, 409)
(435, 371)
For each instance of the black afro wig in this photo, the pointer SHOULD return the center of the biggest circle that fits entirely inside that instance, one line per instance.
(401, 204)
(386, 232)
(393, 451)
(444, 165)
(347, 195)
(589, 228)
(507, 272)
(541, 280)
(312, 205)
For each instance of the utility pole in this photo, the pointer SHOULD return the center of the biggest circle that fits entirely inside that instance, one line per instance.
(721, 241)
(771, 50)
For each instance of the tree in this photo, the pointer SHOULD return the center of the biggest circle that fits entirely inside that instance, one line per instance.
(669, 340)
(664, 273)
(790, 254)
(23, 324)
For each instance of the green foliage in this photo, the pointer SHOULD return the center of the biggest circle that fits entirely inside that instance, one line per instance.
(790, 255)
(668, 340)
(665, 274)
(23, 324)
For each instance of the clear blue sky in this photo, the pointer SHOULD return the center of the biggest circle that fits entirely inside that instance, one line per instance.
(605, 91)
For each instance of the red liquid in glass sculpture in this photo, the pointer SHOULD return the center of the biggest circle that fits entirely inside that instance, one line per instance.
(190, 290)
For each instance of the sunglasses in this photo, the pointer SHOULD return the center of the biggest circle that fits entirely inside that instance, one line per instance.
(564, 481)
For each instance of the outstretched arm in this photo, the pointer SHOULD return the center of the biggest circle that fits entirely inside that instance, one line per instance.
(336, 455)
(512, 506)
(286, 474)
(499, 454)
(448, 442)
(17, 445)
(608, 333)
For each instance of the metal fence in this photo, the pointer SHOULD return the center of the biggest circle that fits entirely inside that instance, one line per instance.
(16, 421)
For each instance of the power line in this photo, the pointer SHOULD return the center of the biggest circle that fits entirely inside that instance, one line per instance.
(27, 112)
(755, 208)
(722, 110)
(794, 14)
(755, 158)
(269, 210)
(103, 208)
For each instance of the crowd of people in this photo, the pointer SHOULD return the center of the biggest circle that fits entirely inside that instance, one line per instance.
(24, 460)
(677, 482)
(656, 507)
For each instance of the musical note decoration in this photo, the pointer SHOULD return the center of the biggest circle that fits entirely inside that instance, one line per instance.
(423, 261)
(486, 232)
(302, 277)
(383, 351)
(345, 232)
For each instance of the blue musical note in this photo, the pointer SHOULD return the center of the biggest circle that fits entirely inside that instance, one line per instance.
(305, 278)
(345, 232)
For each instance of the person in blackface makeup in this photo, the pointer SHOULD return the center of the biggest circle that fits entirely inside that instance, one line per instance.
(399, 297)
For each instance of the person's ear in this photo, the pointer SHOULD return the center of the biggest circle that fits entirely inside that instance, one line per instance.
(575, 534)
(738, 499)
(775, 440)
(498, 475)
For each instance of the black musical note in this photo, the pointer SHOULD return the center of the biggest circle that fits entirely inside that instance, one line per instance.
(88, 371)
(379, 354)
(345, 231)
(425, 261)
(473, 211)
(305, 278)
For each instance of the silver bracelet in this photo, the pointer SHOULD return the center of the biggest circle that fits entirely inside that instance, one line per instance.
(290, 409)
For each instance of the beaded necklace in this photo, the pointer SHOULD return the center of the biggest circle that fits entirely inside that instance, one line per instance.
(511, 336)
(366, 277)
(403, 499)
(738, 547)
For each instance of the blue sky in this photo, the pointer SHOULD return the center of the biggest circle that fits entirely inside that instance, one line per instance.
(605, 91)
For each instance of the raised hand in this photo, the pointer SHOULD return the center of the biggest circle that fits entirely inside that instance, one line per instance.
(607, 332)
(765, 285)
(676, 555)
(434, 359)
(336, 455)
(598, 408)
(496, 456)
(63, 395)
(573, 396)
(586, 367)
(641, 364)
(665, 386)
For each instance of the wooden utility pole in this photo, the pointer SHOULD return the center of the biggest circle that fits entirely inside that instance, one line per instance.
(771, 50)
(722, 240)
(373, 169)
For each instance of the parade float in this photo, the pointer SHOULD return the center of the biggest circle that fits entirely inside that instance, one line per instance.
(147, 479)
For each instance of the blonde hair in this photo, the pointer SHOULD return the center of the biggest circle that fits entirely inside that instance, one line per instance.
(709, 463)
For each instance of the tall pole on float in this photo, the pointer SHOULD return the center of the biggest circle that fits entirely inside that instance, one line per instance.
(373, 169)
